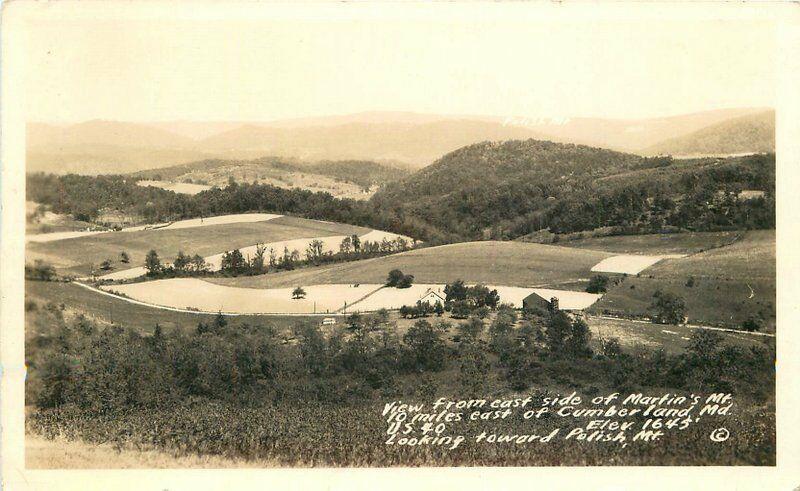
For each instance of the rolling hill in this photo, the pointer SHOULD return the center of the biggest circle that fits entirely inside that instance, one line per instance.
(752, 133)
(503, 263)
(513, 188)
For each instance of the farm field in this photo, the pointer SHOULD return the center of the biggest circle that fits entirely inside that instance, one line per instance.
(176, 187)
(180, 224)
(196, 294)
(250, 172)
(627, 263)
(729, 284)
(108, 309)
(489, 262)
(79, 255)
(657, 244)
(193, 293)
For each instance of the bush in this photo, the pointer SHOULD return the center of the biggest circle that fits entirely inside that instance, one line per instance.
(597, 284)
(667, 308)
(40, 271)
(753, 323)
(406, 281)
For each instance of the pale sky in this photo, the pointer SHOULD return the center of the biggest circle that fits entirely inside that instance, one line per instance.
(264, 62)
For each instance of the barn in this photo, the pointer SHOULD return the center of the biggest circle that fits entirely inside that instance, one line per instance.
(564, 299)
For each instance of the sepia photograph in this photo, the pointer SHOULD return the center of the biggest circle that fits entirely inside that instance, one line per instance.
(340, 235)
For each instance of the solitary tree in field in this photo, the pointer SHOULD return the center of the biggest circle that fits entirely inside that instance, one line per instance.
(395, 276)
(298, 293)
(105, 265)
(124, 258)
(152, 263)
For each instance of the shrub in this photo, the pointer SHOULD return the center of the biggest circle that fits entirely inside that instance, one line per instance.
(597, 284)
(667, 308)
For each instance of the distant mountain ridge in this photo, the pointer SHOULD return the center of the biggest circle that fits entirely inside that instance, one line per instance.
(415, 139)
(745, 134)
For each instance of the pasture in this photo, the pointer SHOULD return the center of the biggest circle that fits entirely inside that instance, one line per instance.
(176, 187)
(728, 284)
(657, 244)
(80, 255)
(498, 263)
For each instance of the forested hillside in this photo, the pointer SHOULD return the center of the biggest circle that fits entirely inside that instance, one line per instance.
(509, 189)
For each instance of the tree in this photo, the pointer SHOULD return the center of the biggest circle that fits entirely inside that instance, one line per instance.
(298, 293)
(394, 277)
(473, 368)
(577, 345)
(425, 349)
(667, 308)
(438, 308)
(460, 309)
(355, 242)
(598, 284)
(124, 258)
(703, 343)
(455, 291)
(471, 329)
(181, 261)
(152, 263)
(346, 246)
(106, 265)
(314, 250)
(233, 262)
(406, 281)
(257, 264)
(198, 264)
(557, 330)
(480, 296)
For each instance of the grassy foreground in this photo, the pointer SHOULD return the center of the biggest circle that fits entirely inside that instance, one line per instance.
(345, 435)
